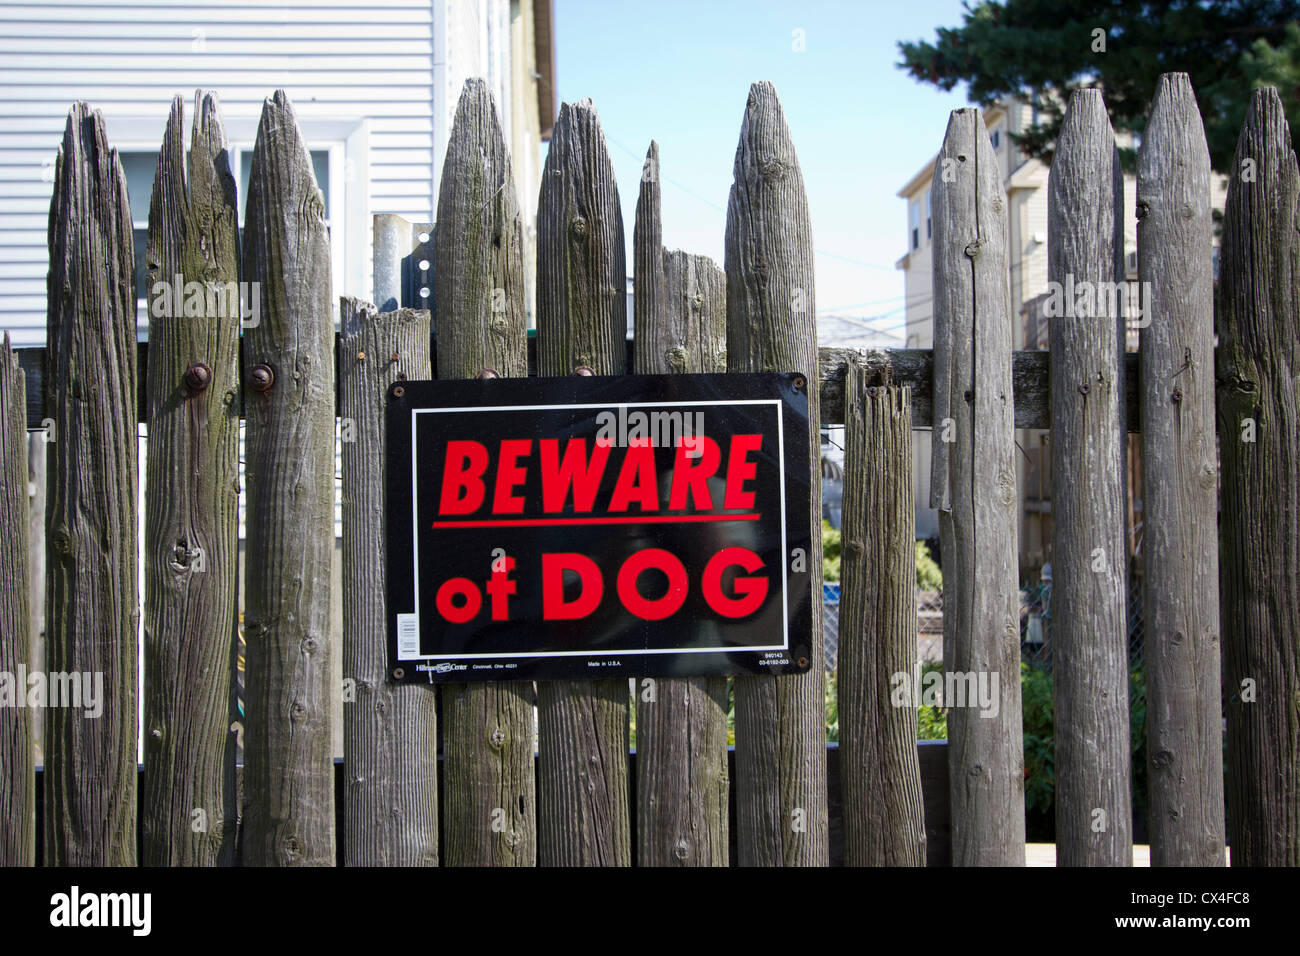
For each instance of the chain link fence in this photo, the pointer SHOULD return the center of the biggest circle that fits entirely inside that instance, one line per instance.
(929, 621)
(1036, 626)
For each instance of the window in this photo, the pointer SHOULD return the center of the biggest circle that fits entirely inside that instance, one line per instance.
(928, 231)
(140, 166)
(320, 164)
(916, 224)
(139, 169)
(995, 137)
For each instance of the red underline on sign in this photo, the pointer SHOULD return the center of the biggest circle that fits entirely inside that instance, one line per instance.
(620, 519)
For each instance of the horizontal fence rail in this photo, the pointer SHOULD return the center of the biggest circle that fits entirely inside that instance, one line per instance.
(913, 368)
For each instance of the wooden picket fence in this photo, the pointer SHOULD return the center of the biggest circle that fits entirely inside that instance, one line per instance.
(571, 801)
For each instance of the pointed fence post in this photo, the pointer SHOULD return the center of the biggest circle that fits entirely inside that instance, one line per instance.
(973, 486)
(583, 815)
(93, 616)
(478, 259)
(1259, 441)
(771, 326)
(192, 507)
(1090, 616)
(289, 385)
(1179, 471)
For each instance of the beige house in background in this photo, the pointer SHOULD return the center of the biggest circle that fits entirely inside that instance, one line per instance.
(1025, 181)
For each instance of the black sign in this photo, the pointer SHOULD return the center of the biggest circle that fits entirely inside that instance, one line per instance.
(651, 525)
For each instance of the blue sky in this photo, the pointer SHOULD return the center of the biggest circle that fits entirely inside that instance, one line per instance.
(679, 72)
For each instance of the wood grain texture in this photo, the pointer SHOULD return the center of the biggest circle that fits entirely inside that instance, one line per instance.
(583, 815)
(581, 260)
(478, 258)
(1179, 478)
(192, 507)
(771, 326)
(973, 486)
(289, 447)
(682, 782)
(37, 456)
(1090, 622)
(390, 739)
(17, 737)
(1259, 383)
(884, 822)
(92, 610)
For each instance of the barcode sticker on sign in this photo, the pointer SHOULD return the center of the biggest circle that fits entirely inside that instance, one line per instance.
(408, 636)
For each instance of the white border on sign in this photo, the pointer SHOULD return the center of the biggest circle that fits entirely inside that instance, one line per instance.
(516, 655)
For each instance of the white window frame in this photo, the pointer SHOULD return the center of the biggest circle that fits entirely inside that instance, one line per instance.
(346, 143)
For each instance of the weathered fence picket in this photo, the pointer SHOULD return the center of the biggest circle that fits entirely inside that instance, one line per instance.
(973, 487)
(680, 316)
(93, 615)
(478, 259)
(1090, 624)
(1179, 506)
(881, 776)
(289, 520)
(17, 737)
(1259, 445)
(771, 326)
(583, 816)
(187, 793)
(390, 731)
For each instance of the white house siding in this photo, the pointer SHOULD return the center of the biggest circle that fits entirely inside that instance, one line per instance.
(375, 83)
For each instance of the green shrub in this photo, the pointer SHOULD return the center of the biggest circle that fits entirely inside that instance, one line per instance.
(831, 549)
(832, 709)
(928, 575)
(1040, 746)
(931, 722)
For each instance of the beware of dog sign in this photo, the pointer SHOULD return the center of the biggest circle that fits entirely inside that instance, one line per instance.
(598, 527)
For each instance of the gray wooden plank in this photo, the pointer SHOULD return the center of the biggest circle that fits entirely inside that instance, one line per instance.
(884, 821)
(289, 449)
(390, 738)
(682, 787)
(478, 258)
(1179, 501)
(17, 737)
(1259, 353)
(93, 609)
(1089, 608)
(974, 487)
(192, 503)
(583, 814)
(771, 326)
